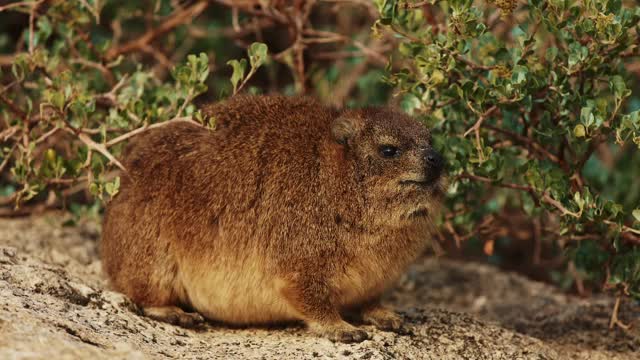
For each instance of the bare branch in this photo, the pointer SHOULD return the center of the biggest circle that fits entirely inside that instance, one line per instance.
(176, 19)
(100, 148)
(142, 129)
(476, 128)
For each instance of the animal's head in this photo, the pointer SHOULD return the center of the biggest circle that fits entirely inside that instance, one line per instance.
(395, 162)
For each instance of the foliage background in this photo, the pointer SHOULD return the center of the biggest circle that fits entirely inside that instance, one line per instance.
(534, 104)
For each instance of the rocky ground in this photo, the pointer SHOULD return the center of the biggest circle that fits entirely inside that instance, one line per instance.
(55, 304)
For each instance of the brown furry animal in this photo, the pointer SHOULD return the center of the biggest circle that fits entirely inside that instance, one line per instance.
(287, 211)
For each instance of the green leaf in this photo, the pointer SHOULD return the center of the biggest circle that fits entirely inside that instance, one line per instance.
(578, 199)
(239, 69)
(257, 54)
(519, 74)
(57, 99)
(112, 187)
(636, 214)
(579, 131)
(619, 87)
(586, 116)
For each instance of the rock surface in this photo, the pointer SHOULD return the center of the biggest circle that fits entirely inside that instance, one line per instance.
(55, 304)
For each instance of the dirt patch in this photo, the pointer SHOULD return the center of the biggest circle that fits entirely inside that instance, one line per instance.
(55, 304)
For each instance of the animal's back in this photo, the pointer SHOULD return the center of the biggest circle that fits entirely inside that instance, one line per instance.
(191, 191)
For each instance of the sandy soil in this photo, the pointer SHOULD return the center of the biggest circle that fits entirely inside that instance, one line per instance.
(55, 304)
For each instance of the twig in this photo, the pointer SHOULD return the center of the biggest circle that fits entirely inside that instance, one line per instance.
(614, 316)
(93, 11)
(601, 138)
(101, 149)
(14, 5)
(577, 277)
(142, 129)
(417, 5)
(531, 143)
(8, 133)
(46, 135)
(476, 128)
(243, 83)
(176, 19)
(551, 201)
(32, 18)
(6, 159)
(623, 228)
(453, 232)
(14, 109)
(473, 65)
(494, 182)
(95, 65)
(186, 102)
(545, 196)
(110, 96)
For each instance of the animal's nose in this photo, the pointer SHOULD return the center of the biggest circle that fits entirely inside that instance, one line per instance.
(434, 164)
(434, 160)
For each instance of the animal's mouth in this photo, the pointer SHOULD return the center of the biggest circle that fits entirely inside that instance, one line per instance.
(420, 183)
(419, 213)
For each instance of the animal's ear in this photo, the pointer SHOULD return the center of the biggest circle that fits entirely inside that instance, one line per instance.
(345, 127)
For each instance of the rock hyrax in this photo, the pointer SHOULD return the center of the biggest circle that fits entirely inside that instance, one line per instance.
(287, 211)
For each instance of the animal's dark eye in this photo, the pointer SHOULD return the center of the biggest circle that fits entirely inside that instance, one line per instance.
(388, 151)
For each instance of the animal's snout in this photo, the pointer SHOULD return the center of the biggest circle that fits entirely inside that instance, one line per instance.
(434, 164)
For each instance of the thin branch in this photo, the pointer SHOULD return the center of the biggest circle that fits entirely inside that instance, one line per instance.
(14, 5)
(95, 65)
(8, 133)
(601, 138)
(46, 135)
(476, 127)
(32, 17)
(551, 201)
(93, 11)
(531, 143)
(13, 108)
(142, 129)
(244, 82)
(473, 65)
(417, 5)
(176, 19)
(101, 149)
(186, 102)
(8, 157)
(623, 228)
(614, 316)
(545, 196)
(494, 182)
(110, 97)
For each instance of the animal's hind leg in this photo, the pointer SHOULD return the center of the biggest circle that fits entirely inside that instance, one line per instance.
(174, 315)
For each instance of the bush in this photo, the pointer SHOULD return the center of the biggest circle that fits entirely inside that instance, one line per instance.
(531, 103)
(534, 105)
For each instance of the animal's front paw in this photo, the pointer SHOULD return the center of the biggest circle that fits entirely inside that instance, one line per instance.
(175, 316)
(383, 319)
(343, 332)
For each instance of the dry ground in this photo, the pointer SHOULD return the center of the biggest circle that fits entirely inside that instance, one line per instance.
(55, 304)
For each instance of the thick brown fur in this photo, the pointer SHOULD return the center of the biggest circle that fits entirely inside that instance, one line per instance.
(286, 211)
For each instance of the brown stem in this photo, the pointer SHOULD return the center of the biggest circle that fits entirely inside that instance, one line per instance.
(13, 108)
(476, 128)
(176, 19)
(142, 129)
(533, 145)
(614, 316)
